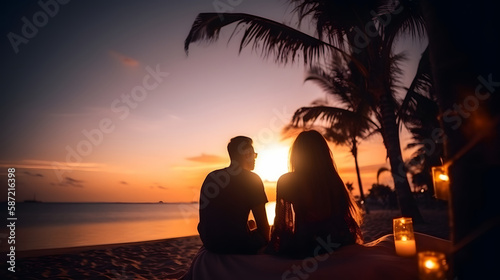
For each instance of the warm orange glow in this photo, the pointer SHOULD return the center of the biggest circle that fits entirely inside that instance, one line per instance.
(271, 213)
(432, 265)
(54, 236)
(272, 162)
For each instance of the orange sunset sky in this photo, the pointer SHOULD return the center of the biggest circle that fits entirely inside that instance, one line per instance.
(102, 104)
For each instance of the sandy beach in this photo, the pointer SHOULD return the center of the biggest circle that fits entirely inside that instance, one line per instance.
(169, 258)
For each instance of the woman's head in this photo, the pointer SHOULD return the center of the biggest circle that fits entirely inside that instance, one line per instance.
(310, 152)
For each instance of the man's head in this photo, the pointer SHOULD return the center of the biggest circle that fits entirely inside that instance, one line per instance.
(241, 151)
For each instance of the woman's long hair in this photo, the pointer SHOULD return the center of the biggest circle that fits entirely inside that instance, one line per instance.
(311, 159)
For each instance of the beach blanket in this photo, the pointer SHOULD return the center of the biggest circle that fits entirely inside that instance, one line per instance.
(375, 260)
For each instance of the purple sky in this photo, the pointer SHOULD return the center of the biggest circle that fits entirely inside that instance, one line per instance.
(102, 103)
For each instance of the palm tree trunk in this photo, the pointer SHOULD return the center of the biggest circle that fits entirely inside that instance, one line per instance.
(354, 152)
(406, 202)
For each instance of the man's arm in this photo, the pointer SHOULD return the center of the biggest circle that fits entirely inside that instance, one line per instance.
(259, 213)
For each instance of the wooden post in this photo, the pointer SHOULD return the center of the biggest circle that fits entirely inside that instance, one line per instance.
(465, 52)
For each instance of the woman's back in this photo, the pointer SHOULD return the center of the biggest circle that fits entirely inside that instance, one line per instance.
(312, 202)
(316, 213)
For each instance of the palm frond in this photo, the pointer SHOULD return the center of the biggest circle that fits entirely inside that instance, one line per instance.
(421, 84)
(337, 137)
(405, 18)
(334, 19)
(285, 43)
(396, 72)
(351, 124)
(305, 116)
(412, 145)
(377, 130)
(380, 171)
(292, 131)
(334, 82)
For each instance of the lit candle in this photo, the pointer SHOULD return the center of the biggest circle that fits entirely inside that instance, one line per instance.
(441, 182)
(404, 240)
(432, 265)
(405, 248)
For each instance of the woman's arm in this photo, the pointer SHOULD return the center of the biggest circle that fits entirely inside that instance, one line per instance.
(283, 221)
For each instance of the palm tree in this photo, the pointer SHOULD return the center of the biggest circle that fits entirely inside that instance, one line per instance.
(419, 112)
(338, 26)
(423, 125)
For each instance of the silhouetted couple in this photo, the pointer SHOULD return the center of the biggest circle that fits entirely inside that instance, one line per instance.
(313, 205)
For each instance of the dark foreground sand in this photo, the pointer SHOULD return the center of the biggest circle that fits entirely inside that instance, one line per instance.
(169, 258)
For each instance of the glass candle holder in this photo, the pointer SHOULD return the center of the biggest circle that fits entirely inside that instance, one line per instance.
(441, 182)
(404, 239)
(432, 265)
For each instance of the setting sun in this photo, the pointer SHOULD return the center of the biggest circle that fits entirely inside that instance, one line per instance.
(272, 162)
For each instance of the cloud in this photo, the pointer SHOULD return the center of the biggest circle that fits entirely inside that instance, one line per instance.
(174, 117)
(54, 165)
(33, 174)
(70, 182)
(123, 183)
(124, 60)
(204, 158)
(156, 185)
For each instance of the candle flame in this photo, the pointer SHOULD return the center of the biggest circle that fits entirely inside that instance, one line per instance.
(443, 177)
(404, 238)
(430, 264)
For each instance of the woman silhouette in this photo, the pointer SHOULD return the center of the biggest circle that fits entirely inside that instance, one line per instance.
(312, 202)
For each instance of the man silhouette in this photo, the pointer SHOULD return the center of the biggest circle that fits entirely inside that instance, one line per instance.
(226, 198)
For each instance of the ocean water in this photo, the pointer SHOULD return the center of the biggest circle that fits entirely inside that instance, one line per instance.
(59, 225)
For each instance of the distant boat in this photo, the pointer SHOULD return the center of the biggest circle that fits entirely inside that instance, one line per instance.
(33, 200)
(161, 201)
